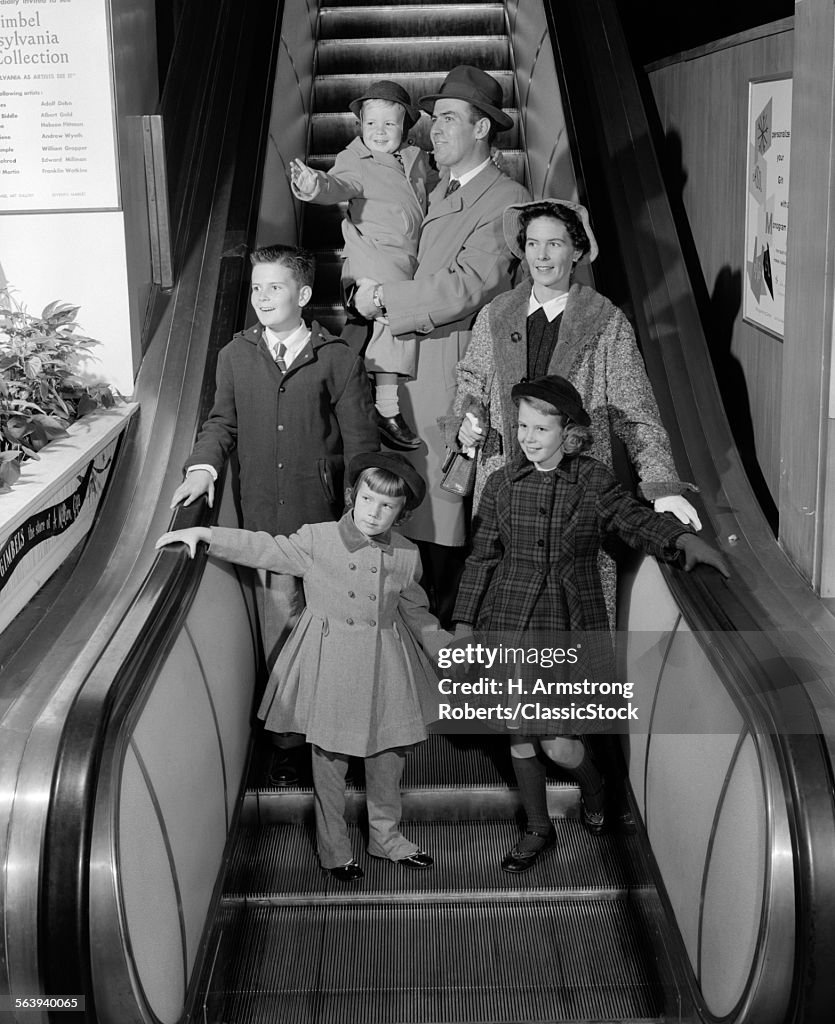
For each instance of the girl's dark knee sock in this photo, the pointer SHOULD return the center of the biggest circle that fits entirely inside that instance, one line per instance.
(530, 777)
(591, 784)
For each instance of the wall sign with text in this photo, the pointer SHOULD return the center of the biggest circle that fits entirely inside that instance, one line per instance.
(767, 202)
(57, 125)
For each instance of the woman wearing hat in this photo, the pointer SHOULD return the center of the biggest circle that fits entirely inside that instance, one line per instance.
(384, 181)
(549, 325)
(532, 581)
(353, 677)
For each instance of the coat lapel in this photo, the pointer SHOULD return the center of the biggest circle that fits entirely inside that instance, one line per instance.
(584, 318)
(441, 206)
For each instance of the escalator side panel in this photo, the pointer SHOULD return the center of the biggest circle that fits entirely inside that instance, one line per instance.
(710, 795)
(167, 796)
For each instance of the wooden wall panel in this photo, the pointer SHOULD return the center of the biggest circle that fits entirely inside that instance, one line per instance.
(702, 99)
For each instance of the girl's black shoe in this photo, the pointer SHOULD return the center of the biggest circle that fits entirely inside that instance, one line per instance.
(593, 821)
(350, 872)
(528, 850)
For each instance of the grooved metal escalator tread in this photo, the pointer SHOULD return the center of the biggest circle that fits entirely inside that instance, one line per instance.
(278, 863)
(506, 963)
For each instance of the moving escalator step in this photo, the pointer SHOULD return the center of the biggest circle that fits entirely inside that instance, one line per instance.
(334, 92)
(510, 961)
(413, 20)
(379, 55)
(279, 864)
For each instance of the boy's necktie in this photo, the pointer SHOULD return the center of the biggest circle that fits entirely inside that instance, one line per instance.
(280, 351)
(453, 186)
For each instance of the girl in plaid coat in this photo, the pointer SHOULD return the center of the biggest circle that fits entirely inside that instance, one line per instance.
(534, 570)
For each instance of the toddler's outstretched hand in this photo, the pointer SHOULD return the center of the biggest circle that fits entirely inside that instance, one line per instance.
(191, 537)
(681, 509)
(303, 178)
(698, 551)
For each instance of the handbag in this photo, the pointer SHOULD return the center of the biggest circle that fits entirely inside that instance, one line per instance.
(458, 473)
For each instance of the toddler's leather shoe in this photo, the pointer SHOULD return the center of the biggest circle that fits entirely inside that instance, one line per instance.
(396, 432)
(416, 861)
(350, 872)
(528, 850)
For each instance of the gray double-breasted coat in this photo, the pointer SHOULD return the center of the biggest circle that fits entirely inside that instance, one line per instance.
(354, 676)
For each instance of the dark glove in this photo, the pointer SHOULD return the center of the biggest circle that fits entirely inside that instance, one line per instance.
(698, 551)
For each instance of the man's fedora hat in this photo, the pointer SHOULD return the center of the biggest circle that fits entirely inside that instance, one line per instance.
(392, 93)
(476, 87)
(394, 463)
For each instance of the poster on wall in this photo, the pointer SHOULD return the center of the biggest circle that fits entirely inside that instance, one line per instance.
(767, 202)
(57, 130)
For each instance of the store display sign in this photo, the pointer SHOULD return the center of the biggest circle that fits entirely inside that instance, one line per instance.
(767, 202)
(57, 125)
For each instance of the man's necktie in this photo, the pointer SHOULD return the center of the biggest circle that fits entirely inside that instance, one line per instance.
(453, 186)
(280, 350)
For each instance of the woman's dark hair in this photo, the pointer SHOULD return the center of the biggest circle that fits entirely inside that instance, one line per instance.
(573, 224)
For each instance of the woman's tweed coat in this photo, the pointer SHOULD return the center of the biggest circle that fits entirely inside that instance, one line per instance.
(533, 571)
(596, 351)
(352, 676)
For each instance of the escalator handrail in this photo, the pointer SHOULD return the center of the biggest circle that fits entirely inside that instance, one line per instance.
(110, 690)
(758, 672)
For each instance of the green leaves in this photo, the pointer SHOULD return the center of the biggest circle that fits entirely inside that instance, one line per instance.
(42, 384)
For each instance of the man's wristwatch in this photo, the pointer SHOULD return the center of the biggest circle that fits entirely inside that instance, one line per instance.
(377, 298)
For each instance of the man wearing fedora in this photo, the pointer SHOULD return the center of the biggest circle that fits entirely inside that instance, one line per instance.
(463, 262)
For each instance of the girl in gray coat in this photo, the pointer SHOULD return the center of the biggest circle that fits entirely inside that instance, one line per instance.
(354, 677)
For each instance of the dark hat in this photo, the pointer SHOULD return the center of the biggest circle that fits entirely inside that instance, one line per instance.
(557, 391)
(394, 463)
(513, 214)
(476, 87)
(392, 93)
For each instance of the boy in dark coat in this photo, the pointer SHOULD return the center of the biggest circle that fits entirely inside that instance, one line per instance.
(533, 573)
(295, 402)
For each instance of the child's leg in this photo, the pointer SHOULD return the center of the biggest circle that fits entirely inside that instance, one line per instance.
(529, 770)
(329, 801)
(388, 359)
(385, 393)
(383, 801)
(539, 834)
(570, 753)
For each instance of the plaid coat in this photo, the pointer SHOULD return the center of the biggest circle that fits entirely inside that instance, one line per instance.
(533, 569)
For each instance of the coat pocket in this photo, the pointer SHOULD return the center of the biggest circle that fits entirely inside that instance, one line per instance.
(326, 479)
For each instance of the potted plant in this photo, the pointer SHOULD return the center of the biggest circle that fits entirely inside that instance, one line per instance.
(44, 380)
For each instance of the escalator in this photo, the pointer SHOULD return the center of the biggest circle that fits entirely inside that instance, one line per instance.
(463, 942)
(147, 865)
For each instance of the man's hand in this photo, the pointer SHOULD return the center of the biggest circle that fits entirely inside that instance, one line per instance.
(681, 509)
(364, 298)
(304, 178)
(191, 537)
(198, 482)
(697, 551)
